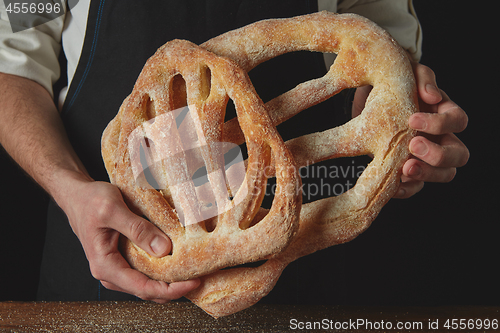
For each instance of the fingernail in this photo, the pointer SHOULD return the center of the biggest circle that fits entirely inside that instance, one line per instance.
(414, 171)
(419, 148)
(432, 89)
(418, 123)
(159, 245)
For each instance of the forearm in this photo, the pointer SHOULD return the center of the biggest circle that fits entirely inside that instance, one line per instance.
(31, 131)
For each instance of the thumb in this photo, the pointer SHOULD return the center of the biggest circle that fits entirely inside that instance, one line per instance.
(142, 233)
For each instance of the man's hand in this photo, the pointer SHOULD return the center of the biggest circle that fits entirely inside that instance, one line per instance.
(437, 152)
(98, 215)
(32, 132)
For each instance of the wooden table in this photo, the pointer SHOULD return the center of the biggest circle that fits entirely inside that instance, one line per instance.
(186, 317)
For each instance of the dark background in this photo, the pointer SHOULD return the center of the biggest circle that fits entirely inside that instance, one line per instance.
(438, 248)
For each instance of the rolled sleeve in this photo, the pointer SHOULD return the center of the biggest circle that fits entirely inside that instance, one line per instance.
(398, 17)
(32, 53)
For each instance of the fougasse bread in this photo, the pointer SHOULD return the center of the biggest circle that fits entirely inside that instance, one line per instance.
(204, 78)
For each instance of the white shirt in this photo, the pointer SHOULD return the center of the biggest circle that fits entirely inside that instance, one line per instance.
(33, 53)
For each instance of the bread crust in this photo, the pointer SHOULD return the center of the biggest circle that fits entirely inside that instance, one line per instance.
(148, 113)
(366, 55)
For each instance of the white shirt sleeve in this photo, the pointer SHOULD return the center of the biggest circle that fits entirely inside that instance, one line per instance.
(31, 53)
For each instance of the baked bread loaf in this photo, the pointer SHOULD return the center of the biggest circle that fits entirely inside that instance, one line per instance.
(203, 240)
(366, 55)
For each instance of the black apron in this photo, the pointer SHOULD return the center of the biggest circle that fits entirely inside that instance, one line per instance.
(121, 36)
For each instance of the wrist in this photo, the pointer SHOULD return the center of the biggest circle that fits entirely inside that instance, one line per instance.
(67, 185)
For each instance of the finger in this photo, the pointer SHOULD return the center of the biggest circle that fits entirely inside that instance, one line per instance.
(143, 233)
(171, 291)
(118, 275)
(448, 151)
(450, 118)
(420, 171)
(408, 188)
(426, 84)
